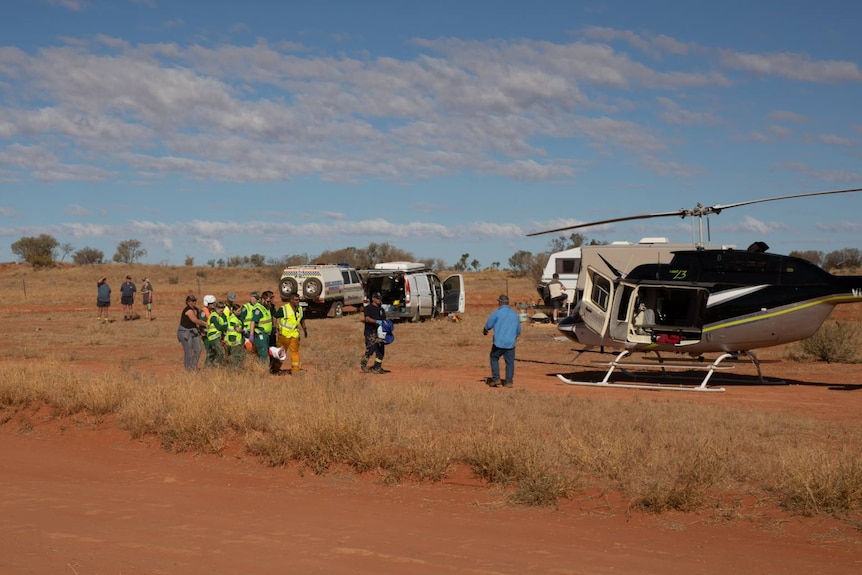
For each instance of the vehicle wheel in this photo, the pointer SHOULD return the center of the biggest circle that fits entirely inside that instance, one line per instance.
(336, 309)
(312, 288)
(287, 286)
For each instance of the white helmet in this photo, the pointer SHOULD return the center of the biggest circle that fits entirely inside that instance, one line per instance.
(209, 299)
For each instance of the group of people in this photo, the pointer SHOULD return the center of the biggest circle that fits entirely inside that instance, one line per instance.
(128, 289)
(228, 331)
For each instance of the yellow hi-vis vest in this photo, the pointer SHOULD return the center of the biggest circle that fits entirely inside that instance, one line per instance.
(265, 323)
(290, 321)
(247, 312)
(233, 335)
(215, 326)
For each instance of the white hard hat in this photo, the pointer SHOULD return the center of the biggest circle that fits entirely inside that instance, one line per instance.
(208, 299)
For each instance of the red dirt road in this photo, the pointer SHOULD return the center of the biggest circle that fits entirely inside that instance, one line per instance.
(80, 501)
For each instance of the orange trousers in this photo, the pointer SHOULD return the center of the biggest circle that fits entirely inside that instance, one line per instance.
(291, 345)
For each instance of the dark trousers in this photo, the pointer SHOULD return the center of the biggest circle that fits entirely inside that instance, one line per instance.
(508, 354)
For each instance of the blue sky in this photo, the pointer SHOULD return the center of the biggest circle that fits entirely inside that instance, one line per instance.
(214, 129)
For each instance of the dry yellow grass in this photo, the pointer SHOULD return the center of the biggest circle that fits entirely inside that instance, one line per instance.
(541, 447)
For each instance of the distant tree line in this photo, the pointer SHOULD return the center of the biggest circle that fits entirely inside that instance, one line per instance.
(43, 250)
(848, 258)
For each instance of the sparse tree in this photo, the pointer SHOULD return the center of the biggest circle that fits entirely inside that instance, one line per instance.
(474, 264)
(521, 262)
(190, 261)
(289, 260)
(257, 260)
(437, 264)
(66, 249)
(237, 261)
(846, 258)
(364, 258)
(88, 256)
(563, 243)
(461, 265)
(129, 251)
(36, 251)
(813, 256)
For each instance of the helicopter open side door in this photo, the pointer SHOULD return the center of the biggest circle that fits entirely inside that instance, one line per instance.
(595, 308)
(663, 315)
(622, 311)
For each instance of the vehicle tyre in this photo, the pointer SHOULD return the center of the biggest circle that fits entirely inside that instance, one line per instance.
(287, 286)
(312, 288)
(336, 309)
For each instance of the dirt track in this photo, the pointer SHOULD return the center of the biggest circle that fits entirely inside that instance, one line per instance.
(83, 501)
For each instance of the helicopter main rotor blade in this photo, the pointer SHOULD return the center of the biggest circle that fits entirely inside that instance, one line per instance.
(698, 211)
(679, 213)
(716, 209)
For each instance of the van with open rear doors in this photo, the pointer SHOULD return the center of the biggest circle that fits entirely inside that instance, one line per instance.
(413, 292)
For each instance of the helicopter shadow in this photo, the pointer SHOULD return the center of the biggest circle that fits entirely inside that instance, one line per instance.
(694, 377)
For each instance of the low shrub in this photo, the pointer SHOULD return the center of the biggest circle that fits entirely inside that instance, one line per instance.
(834, 342)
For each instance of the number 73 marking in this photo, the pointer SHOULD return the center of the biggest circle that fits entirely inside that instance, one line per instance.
(678, 274)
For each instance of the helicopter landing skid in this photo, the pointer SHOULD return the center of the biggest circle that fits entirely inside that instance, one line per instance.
(612, 365)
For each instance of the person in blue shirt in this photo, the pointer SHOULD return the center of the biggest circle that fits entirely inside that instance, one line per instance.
(506, 325)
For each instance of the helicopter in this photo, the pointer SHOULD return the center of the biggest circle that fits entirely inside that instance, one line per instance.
(696, 299)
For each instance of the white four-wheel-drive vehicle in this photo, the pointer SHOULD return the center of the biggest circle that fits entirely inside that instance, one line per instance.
(413, 292)
(323, 289)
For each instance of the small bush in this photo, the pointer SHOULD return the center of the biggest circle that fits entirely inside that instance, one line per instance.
(174, 280)
(834, 342)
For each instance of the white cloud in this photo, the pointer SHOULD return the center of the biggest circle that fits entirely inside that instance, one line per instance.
(75, 5)
(676, 114)
(794, 66)
(785, 116)
(834, 140)
(76, 210)
(753, 225)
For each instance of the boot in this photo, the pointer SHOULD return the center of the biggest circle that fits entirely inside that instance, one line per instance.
(378, 368)
(492, 382)
(508, 383)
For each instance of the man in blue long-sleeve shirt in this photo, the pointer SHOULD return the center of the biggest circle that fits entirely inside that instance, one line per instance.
(507, 327)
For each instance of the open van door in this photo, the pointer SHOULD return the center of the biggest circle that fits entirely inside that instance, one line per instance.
(453, 294)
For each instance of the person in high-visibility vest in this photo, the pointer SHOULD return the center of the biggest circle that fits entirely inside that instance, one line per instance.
(214, 334)
(233, 339)
(291, 319)
(257, 323)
